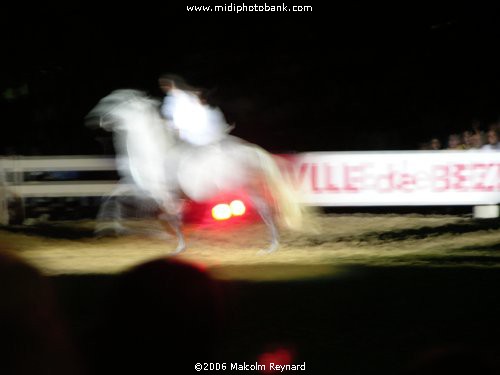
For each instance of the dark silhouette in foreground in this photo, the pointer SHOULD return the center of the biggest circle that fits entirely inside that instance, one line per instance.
(35, 338)
(164, 316)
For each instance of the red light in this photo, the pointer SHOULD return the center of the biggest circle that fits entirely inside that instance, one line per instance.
(237, 207)
(221, 212)
(280, 356)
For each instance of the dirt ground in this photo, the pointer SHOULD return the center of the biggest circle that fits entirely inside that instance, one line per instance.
(366, 293)
(230, 250)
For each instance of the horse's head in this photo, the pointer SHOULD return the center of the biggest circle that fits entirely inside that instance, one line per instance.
(116, 107)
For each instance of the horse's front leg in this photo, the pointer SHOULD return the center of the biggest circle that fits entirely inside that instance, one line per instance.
(109, 216)
(266, 214)
(174, 219)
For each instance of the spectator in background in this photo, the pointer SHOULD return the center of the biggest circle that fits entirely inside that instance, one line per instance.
(475, 141)
(435, 144)
(479, 137)
(455, 142)
(467, 139)
(492, 138)
(474, 137)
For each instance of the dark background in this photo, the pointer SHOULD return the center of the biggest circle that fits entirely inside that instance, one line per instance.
(342, 77)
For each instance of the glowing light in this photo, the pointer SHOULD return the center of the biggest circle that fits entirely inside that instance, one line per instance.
(237, 207)
(280, 356)
(221, 211)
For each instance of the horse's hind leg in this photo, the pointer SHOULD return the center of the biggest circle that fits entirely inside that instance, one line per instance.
(266, 214)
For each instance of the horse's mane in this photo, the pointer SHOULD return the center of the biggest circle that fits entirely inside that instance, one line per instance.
(125, 95)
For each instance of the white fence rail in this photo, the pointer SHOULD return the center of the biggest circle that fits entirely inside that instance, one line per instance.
(15, 168)
(15, 185)
(406, 178)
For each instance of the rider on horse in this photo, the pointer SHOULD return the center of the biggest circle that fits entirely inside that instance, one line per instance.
(195, 122)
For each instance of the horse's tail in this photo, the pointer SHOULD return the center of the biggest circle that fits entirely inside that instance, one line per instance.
(290, 211)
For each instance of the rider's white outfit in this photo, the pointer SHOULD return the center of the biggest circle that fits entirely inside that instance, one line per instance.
(196, 123)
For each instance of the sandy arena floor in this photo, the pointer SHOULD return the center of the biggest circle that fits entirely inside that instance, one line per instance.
(230, 251)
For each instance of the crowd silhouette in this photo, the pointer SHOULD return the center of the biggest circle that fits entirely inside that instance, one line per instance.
(474, 138)
(35, 336)
(163, 313)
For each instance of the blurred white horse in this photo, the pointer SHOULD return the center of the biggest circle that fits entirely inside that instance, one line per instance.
(163, 169)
